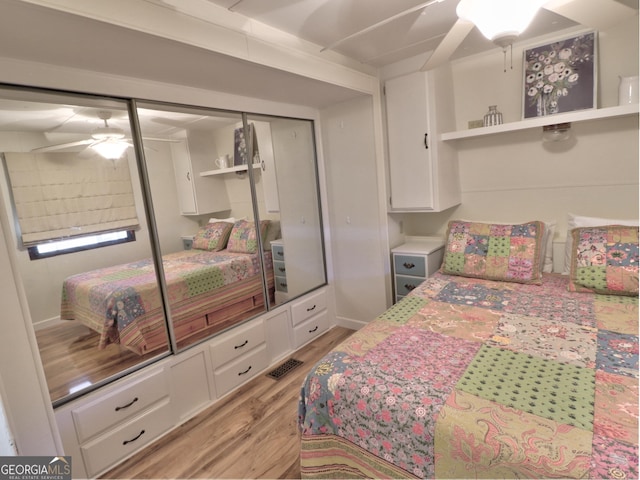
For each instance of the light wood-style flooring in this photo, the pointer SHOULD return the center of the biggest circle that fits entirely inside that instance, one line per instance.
(250, 434)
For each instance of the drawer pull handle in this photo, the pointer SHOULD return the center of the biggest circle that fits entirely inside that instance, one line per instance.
(314, 329)
(245, 372)
(409, 286)
(283, 284)
(127, 405)
(408, 265)
(280, 254)
(134, 438)
(282, 269)
(311, 309)
(240, 346)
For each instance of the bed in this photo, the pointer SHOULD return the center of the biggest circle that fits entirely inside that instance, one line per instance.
(484, 373)
(209, 288)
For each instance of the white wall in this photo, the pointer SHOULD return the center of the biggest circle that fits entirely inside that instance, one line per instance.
(515, 176)
(360, 261)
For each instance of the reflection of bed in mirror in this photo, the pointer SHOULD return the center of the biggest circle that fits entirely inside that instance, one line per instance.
(208, 291)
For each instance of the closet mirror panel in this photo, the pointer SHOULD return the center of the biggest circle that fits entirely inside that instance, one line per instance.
(71, 180)
(289, 197)
(200, 164)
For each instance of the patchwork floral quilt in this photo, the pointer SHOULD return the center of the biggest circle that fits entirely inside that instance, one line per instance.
(470, 378)
(124, 305)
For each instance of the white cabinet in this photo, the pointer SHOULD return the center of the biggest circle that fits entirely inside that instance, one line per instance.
(309, 317)
(423, 171)
(105, 427)
(197, 194)
(238, 355)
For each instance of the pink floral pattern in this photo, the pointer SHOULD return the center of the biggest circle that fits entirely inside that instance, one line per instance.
(395, 389)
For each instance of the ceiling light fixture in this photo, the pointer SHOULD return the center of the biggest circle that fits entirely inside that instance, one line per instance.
(110, 148)
(501, 21)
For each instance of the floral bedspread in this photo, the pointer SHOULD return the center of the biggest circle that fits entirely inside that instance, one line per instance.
(468, 378)
(122, 301)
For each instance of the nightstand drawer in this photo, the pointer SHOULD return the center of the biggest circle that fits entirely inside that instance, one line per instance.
(281, 284)
(410, 265)
(278, 252)
(404, 284)
(279, 268)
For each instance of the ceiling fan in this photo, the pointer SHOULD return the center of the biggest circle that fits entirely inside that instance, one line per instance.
(109, 142)
(486, 15)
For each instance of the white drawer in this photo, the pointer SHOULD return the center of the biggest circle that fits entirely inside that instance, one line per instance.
(240, 370)
(113, 408)
(236, 342)
(304, 309)
(310, 329)
(105, 451)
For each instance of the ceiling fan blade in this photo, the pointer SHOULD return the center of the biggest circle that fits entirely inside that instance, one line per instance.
(62, 146)
(381, 23)
(449, 44)
(598, 14)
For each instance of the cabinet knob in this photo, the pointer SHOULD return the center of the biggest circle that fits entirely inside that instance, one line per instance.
(408, 265)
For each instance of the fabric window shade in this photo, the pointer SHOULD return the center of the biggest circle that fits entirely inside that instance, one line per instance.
(61, 195)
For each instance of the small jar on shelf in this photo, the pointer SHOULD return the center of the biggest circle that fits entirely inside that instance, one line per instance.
(492, 117)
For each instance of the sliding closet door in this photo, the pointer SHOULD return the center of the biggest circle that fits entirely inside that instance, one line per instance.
(199, 163)
(288, 196)
(73, 211)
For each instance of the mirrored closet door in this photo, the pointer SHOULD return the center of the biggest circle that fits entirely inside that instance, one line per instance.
(200, 176)
(73, 210)
(139, 229)
(288, 196)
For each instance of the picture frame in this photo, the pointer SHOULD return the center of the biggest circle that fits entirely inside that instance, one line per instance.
(241, 146)
(560, 76)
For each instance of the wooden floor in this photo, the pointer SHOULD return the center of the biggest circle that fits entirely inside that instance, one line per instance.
(250, 434)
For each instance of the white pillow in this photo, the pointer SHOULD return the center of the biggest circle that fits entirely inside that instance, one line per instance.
(547, 241)
(575, 221)
(229, 220)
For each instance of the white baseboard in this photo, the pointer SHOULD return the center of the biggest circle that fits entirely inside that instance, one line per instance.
(350, 323)
(49, 322)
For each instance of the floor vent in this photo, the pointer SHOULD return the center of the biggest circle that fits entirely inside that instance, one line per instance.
(280, 371)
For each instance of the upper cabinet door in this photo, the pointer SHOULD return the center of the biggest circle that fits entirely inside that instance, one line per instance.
(423, 171)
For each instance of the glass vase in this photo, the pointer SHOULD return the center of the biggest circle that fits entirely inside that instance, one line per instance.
(492, 117)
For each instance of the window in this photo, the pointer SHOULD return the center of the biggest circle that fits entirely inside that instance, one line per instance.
(60, 247)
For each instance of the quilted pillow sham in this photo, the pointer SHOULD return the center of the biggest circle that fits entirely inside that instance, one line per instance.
(212, 237)
(509, 253)
(605, 260)
(243, 237)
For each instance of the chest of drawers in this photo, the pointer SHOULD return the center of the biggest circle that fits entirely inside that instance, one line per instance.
(414, 261)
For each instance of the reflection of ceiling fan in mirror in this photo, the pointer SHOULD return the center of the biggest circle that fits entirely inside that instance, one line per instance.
(109, 142)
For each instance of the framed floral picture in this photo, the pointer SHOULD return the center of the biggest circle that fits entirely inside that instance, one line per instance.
(560, 76)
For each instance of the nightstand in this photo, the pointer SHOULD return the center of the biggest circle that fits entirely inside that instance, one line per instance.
(414, 261)
(187, 241)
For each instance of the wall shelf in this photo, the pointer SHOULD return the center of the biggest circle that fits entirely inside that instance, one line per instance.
(222, 171)
(580, 116)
